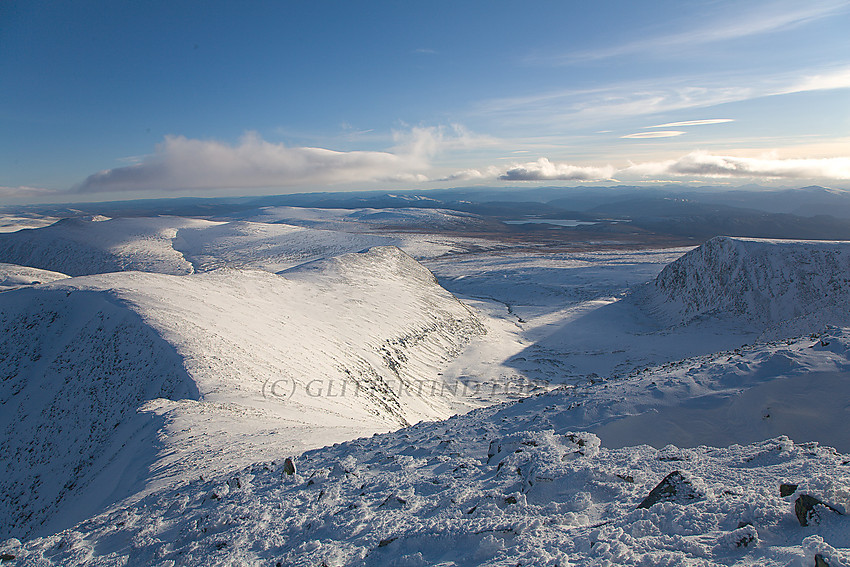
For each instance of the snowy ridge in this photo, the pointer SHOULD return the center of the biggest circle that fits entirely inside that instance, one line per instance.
(760, 282)
(270, 247)
(14, 223)
(97, 245)
(177, 245)
(13, 276)
(233, 356)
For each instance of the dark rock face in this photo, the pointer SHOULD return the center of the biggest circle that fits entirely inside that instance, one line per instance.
(675, 487)
(806, 511)
(787, 489)
(288, 466)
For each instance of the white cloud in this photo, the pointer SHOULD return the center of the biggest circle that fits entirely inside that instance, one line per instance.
(693, 123)
(661, 134)
(544, 170)
(467, 175)
(703, 164)
(182, 163)
(834, 79)
(540, 170)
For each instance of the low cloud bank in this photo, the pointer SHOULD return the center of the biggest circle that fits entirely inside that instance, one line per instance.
(544, 170)
(694, 165)
(540, 170)
(182, 163)
(703, 164)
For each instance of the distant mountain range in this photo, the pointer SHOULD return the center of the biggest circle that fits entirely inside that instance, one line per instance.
(673, 210)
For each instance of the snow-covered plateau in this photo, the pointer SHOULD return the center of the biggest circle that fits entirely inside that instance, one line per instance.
(307, 387)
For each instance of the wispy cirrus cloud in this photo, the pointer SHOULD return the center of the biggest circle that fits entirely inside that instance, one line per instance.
(181, 163)
(660, 134)
(827, 80)
(674, 133)
(704, 164)
(693, 123)
(555, 110)
(749, 20)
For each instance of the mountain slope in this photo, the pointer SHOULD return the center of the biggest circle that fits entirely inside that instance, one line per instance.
(270, 247)
(230, 366)
(75, 368)
(514, 484)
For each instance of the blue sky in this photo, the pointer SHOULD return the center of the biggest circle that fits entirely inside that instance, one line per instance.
(106, 100)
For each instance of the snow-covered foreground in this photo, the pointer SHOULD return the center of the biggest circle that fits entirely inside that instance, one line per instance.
(494, 487)
(155, 404)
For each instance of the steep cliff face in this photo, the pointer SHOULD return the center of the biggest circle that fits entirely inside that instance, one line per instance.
(762, 283)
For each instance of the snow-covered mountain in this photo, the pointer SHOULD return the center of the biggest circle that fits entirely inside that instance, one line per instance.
(177, 245)
(84, 246)
(147, 412)
(243, 361)
(761, 283)
(521, 484)
(172, 245)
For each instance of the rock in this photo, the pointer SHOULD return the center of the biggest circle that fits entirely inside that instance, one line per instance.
(393, 503)
(7, 557)
(787, 489)
(820, 561)
(804, 509)
(746, 538)
(675, 487)
(288, 466)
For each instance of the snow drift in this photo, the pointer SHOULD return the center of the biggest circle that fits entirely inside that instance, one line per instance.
(228, 366)
(762, 283)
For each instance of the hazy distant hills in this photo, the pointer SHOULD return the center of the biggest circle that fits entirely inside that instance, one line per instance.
(674, 210)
